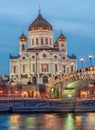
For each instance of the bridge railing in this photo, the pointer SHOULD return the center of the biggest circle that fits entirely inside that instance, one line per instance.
(78, 74)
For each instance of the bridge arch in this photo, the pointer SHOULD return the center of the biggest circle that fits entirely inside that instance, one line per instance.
(80, 83)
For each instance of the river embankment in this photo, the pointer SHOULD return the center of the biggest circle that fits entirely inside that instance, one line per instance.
(46, 105)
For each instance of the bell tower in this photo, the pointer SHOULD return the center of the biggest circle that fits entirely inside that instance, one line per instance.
(22, 44)
(62, 43)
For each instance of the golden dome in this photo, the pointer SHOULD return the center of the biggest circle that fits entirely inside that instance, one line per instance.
(22, 38)
(61, 37)
(40, 24)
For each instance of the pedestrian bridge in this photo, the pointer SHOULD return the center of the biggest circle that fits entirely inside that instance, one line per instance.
(73, 84)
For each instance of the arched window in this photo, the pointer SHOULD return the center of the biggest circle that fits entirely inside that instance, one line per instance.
(14, 69)
(56, 68)
(62, 45)
(42, 41)
(64, 68)
(50, 41)
(46, 41)
(34, 80)
(45, 79)
(23, 47)
(32, 41)
(36, 41)
(33, 65)
(45, 67)
(24, 68)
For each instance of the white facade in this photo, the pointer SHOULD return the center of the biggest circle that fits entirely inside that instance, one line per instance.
(42, 59)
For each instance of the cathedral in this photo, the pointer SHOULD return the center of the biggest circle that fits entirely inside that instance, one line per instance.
(40, 59)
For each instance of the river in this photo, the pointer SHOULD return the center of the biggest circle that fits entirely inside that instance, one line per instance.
(66, 121)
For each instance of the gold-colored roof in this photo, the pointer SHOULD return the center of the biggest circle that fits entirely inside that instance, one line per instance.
(61, 37)
(40, 24)
(22, 38)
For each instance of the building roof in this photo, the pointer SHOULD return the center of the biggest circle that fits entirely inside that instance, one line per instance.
(72, 56)
(14, 57)
(40, 24)
(61, 37)
(22, 38)
(41, 49)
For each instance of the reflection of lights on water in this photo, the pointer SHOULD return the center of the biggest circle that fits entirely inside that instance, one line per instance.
(29, 121)
(14, 122)
(17, 122)
(78, 120)
(43, 122)
(91, 117)
(49, 116)
(51, 121)
(14, 118)
(85, 119)
(69, 122)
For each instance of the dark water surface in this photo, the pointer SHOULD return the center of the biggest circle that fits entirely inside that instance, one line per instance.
(68, 121)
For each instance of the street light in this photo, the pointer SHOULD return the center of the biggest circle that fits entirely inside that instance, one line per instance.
(37, 88)
(81, 60)
(13, 84)
(90, 58)
(59, 85)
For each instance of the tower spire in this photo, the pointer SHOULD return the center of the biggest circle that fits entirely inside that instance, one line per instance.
(23, 31)
(39, 9)
(61, 30)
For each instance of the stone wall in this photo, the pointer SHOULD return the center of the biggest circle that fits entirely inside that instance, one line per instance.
(43, 105)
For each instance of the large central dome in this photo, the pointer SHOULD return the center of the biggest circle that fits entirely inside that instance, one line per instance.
(40, 24)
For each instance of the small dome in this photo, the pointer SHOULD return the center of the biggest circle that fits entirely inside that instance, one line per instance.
(40, 24)
(23, 38)
(61, 37)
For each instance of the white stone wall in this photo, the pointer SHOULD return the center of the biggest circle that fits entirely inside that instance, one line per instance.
(50, 60)
(38, 35)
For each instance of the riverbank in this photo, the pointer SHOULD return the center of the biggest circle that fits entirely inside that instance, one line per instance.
(46, 106)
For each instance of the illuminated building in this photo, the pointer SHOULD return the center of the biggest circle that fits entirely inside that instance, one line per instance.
(39, 56)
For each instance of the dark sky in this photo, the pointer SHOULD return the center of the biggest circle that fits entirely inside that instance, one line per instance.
(76, 17)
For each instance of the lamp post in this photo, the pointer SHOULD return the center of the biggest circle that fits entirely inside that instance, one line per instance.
(37, 88)
(90, 58)
(59, 86)
(81, 60)
(13, 88)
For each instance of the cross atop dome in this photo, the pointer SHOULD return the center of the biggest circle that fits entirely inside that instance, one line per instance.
(39, 9)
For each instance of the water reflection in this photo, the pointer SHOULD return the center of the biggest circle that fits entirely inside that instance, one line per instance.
(85, 121)
(69, 121)
(14, 122)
